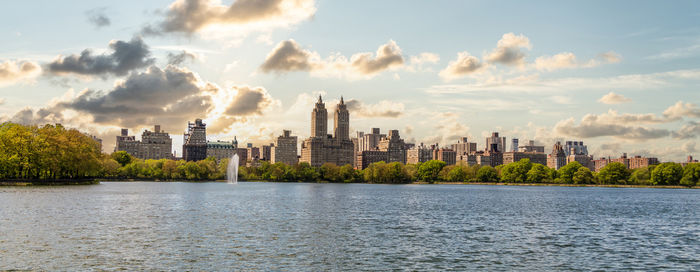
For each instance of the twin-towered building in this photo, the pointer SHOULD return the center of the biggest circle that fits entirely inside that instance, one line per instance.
(322, 147)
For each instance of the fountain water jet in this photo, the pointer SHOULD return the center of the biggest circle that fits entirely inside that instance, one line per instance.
(232, 170)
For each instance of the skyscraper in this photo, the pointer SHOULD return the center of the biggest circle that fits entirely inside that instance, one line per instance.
(285, 149)
(323, 148)
(195, 141)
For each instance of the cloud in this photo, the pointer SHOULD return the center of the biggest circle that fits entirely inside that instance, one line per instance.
(249, 101)
(417, 63)
(681, 109)
(613, 98)
(610, 57)
(288, 56)
(125, 57)
(464, 64)
(169, 96)
(180, 58)
(2, 101)
(508, 50)
(382, 109)
(688, 131)
(387, 56)
(447, 128)
(97, 17)
(591, 127)
(12, 72)
(564, 60)
(191, 16)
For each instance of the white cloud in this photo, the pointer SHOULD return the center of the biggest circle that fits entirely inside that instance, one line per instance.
(613, 98)
(12, 72)
(681, 109)
(508, 50)
(464, 64)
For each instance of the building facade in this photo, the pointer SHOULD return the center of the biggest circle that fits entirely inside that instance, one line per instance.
(495, 143)
(419, 154)
(195, 141)
(531, 147)
(556, 159)
(154, 144)
(323, 148)
(534, 157)
(221, 149)
(285, 150)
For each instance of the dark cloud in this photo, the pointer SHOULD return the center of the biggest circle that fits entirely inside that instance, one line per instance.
(249, 101)
(97, 17)
(125, 57)
(287, 56)
(169, 97)
(190, 16)
(180, 58)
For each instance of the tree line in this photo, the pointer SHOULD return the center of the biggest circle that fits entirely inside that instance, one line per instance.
(53, 152)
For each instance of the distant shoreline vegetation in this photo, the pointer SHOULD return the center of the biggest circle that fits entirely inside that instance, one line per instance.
(56, 155)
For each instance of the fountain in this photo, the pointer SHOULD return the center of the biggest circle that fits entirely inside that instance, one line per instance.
(232, 170)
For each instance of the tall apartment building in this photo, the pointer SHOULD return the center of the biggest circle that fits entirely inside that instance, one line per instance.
(285, 149)
(575, 148)
(266, 152)
(585, 160)
(369, 141)
(514, 145)
(464, 147)
(495, 143)
(389, 149)
(418, 154)
(221, 149)
(556, 159)
(534, 157)
(195, 141)
(154, 144)
(323, 148)
(449, 156)
(631, 163)
(242, 156)
(531, 147)
(253, 153)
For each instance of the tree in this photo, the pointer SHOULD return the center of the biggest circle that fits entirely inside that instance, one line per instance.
(304, 172)
(330, 172)
(457, 174)
(641, 176)
(538, 173)
(691, 175)
(428, 171)
(566, 173)
(487, 174)
(122, 157)
(613, 173)
(516, 171)
(395, 173)
(348, 174)
(668, 173)
(583, 176)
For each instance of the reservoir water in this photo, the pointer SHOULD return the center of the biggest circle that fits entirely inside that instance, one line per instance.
(320, 227)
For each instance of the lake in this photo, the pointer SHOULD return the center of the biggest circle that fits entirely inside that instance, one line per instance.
(320, 227)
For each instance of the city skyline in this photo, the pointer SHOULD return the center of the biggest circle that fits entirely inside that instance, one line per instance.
(614, 79)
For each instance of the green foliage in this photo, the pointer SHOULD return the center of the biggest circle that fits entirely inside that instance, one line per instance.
(122, 157)
(459, 173)
(641, 176)
(516, 172)
(538, 173)
(691, 175)
(566, 173)
(668, 173)
(583, 176)
(428, 171)
(487, 174)
(613, 173)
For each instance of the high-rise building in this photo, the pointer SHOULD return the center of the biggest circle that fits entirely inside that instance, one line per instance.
(195, 141)
(514, 145)
(285, 150)
(575, 148)
(242, 156)
(464, 147)
(556, 159)
(531, 147)
(534, 157)
(253, 152)
(322, 148)
(221, 149)
(155, 144)
(266, 151)
(418, 154)
(369, 141)
(495, 143)
(449, 156)
(389, 149)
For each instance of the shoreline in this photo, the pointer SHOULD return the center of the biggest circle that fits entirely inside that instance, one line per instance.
(98, 181)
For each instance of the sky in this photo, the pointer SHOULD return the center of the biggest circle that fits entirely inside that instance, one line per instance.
(621, 76)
